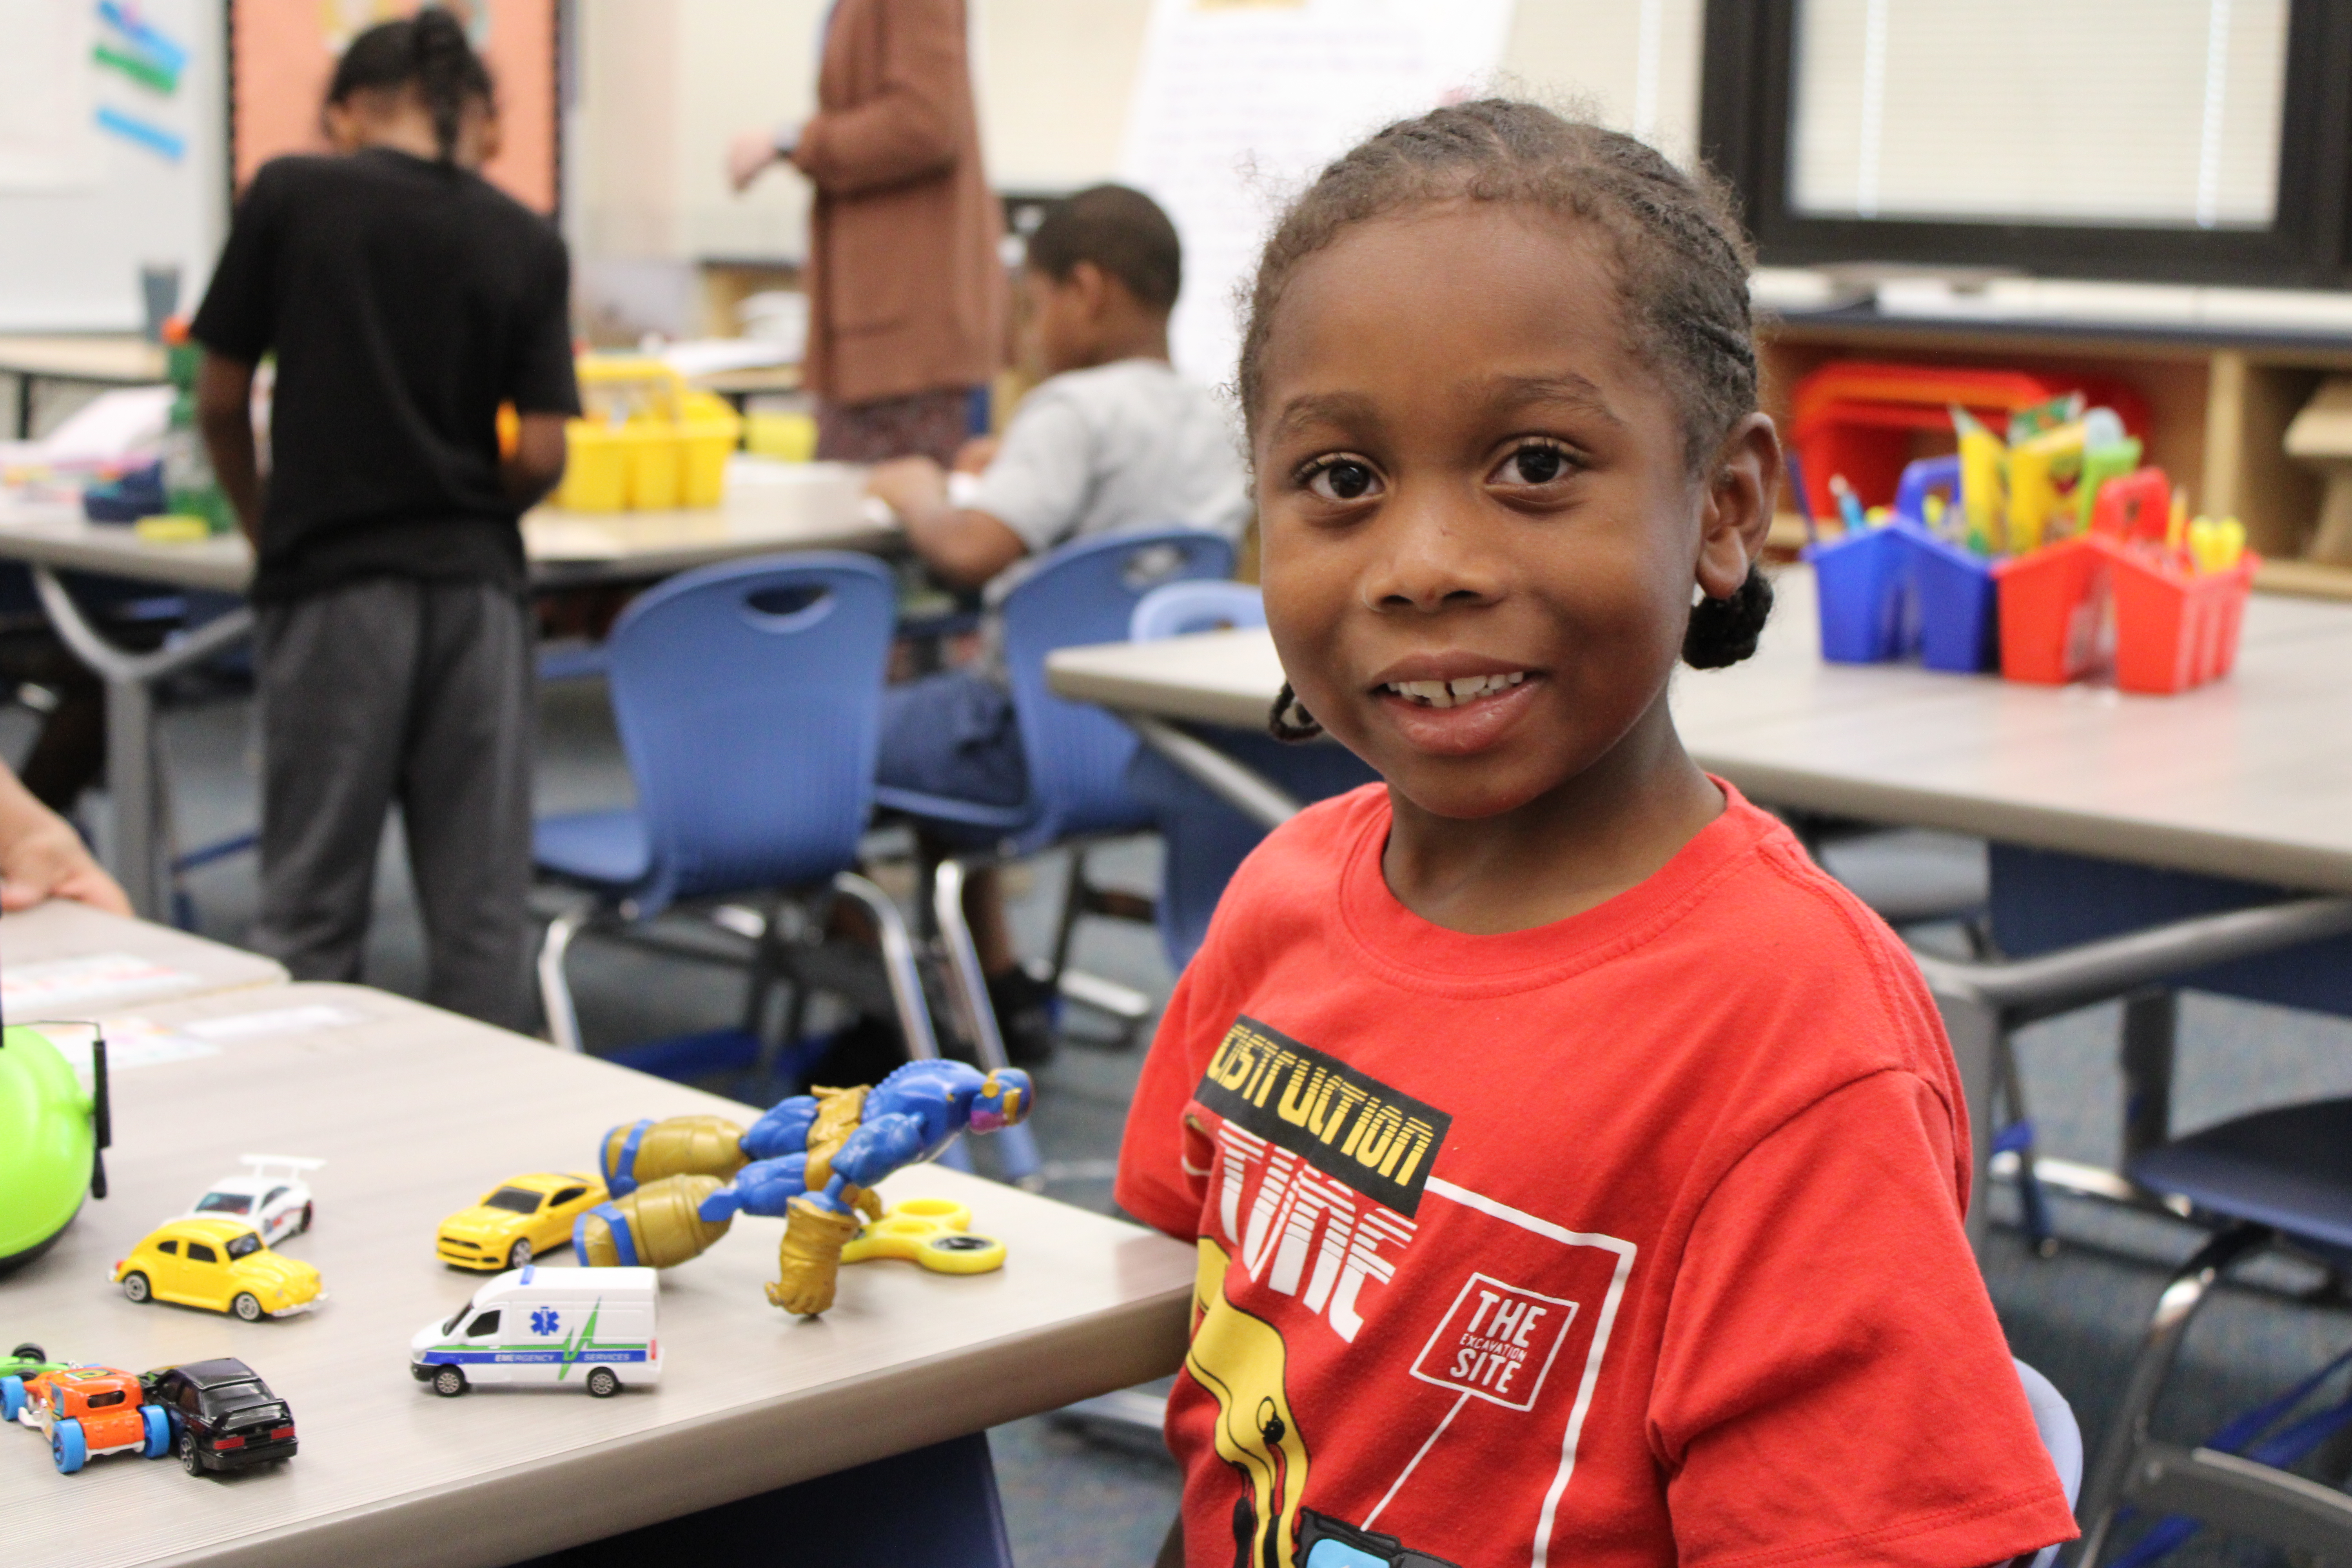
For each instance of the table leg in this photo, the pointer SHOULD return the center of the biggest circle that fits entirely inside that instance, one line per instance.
(1978, 1001)
(2151, 1020)
(1975, 1028)
(23, 406)
(1239, 787)
(130, 785)
(131, 680)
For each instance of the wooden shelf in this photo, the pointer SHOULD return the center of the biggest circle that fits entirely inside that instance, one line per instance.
(2218, 408)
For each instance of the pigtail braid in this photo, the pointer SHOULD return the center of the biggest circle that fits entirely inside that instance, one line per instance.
(448, 74)
(1724, 631)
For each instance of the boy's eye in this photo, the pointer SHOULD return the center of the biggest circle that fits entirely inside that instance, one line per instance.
(1343, 478)
(1535, 463)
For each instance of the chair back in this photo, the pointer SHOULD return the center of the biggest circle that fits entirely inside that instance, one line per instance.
(2053, 1418)
(749, 699)
(1087, 592)
(1179, 609)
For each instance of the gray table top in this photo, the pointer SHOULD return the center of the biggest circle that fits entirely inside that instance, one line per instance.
(2249, 777)
(813, 506)
(416, 1112)
(64, 960)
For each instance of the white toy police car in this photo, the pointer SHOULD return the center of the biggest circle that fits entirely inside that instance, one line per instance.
(269, 1195)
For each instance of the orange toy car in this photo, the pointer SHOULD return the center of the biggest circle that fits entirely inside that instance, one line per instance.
(85, 1411)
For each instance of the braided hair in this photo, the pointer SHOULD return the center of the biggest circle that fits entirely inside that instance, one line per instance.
(1680, 258)
(427, 51)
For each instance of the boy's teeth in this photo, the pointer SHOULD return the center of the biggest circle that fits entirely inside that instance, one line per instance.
(1446, 693)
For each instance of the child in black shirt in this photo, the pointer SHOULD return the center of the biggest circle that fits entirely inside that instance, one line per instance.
(406, 299)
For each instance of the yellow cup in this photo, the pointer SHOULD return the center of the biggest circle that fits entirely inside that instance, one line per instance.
(594, 468)
(791, 437)
(653, 449)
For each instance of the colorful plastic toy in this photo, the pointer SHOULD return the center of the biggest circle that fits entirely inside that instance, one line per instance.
(27, 1360)
(222, 1415)
(220, 1265)
(547, 1325)
(85, 1412)
(51, 1132)
(810, 1161)
(934, 1233)
(269, 1195)
(518, 1220)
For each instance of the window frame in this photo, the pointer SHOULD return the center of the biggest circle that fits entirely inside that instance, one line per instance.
(1746, 98)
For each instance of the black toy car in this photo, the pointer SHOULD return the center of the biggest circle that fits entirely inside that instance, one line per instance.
(224, 1418)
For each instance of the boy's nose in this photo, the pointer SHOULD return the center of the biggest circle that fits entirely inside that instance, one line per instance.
(1430, 555)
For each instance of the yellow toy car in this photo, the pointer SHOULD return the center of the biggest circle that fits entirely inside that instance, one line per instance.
(518, 1220)
(220, 1265)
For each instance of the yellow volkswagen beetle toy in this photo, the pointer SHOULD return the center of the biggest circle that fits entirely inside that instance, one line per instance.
(220, 1265)
(518, 1220)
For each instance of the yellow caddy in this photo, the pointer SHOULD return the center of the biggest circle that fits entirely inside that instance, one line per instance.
(518, 1220)
(221, 1265)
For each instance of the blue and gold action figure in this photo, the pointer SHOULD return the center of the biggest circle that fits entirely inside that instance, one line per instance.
(812, 1161)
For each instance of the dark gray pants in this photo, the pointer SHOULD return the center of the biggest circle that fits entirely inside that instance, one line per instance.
(419, 691)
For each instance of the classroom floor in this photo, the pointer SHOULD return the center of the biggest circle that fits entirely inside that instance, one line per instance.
(1074, 1499)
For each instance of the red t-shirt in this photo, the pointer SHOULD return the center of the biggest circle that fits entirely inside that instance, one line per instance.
(1631, 1239)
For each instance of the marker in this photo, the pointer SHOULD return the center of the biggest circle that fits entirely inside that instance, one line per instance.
(154, 138)
(1804, 501)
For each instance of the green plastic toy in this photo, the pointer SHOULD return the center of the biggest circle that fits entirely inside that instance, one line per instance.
(51, 1134)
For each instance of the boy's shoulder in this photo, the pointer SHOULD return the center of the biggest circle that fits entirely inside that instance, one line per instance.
(1143, 389)
(1765, 931)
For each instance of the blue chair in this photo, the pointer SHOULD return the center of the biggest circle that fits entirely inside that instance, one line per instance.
(2053, 1420)
(1205, 840)
(1180, 609)
(748, 697)
(2280, 1177)
(1085, 592)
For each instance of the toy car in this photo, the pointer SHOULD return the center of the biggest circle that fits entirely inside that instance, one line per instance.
(87, 1411)
(269, 1195)
(518, 1220)
(27, 1360)
(591, 1328)
(222, 1265)
(222, 1415)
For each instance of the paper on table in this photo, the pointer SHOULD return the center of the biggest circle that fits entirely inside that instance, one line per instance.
(29, 991)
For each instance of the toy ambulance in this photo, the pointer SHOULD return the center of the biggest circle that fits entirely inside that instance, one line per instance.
(584, 1328)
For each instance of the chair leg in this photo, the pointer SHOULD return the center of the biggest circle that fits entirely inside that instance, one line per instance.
(2104, 1488)
(969, 987)
(554, 991)
(1075, 887)
(906, 986)
(2032, 1200)
(898, 964)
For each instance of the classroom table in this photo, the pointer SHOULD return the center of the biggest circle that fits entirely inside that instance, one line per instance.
(2244, 778)
(65, 960)
(416, 1112)
(94, 359)
(769, 507)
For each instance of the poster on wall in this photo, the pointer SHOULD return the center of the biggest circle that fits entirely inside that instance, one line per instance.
(282, 53)
(1238, 102)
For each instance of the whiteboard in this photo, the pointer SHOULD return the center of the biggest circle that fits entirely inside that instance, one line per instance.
(82, 206)
(1239, 102)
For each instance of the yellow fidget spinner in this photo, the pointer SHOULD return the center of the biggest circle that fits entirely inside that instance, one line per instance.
(933, 1232)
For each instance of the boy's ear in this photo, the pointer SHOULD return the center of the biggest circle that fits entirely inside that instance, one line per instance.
(1743, 486)
(1094, 286)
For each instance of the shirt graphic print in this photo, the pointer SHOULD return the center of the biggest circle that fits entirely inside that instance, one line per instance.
(1323, 1189)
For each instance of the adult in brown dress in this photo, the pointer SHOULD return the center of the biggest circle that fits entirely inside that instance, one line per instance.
(906, 288)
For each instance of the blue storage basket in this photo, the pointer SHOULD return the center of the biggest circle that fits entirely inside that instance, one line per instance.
(1862, 583)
